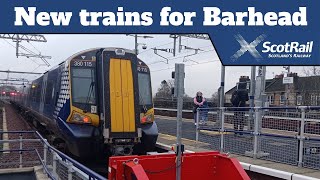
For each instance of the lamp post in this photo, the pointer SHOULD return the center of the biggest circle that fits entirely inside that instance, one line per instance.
(136, 44)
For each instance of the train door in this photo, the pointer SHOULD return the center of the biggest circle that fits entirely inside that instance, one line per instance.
(43, 92)
(121, 96)
(120, 105)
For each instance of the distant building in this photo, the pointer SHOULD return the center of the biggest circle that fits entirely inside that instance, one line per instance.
(304, 91)
(228, 94)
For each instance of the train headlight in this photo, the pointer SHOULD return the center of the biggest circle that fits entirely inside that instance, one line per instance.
(120, 52)
(147, 119)
(79, 118)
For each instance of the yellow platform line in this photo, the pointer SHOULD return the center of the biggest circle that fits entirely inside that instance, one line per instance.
(171, 138)
(5, 147)
(172, 118)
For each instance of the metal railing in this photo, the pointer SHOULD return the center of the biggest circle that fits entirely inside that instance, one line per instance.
(35, 150)
(289, 135)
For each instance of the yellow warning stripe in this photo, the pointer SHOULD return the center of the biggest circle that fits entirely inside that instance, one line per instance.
(187, 141)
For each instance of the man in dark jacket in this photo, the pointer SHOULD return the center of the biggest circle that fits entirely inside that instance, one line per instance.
(238, 99)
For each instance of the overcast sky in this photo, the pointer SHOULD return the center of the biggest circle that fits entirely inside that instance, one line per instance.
(202, 69)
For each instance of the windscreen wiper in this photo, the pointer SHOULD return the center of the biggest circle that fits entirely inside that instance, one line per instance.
(90, 91)
(143, 104)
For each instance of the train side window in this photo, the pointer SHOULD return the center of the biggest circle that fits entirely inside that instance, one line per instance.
(33, 93)
(57, 97)
(49, 90)
(38, 92)
(52, 94)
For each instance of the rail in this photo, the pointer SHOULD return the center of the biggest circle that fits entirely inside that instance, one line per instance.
(289, 135)
(55, 164)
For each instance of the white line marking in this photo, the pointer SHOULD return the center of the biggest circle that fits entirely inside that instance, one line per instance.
(5, 135)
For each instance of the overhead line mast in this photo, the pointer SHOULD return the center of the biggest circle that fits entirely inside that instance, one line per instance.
(17, 38)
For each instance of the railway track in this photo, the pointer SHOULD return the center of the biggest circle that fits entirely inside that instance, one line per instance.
(100, 164)
(14, 122)
(97, 164)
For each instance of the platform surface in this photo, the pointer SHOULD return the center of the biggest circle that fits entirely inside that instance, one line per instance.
(167, 130)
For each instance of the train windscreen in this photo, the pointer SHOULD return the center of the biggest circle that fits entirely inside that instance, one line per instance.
(83, 85)
(145, 89)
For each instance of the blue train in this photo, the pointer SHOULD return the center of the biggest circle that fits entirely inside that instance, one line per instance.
(97, 100)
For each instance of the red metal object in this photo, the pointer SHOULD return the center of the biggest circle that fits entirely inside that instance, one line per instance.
(200, 165)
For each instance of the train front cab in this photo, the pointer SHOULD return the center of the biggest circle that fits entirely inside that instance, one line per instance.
(148, 126)
(119, 105)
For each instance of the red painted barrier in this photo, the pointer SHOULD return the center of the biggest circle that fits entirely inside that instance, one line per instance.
(201, 165)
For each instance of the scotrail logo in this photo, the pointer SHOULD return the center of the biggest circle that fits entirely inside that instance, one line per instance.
(288, 49)
(272, 50)
(251, 48)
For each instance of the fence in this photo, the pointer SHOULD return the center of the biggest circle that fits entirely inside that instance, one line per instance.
(172, 103)
(277, 138)
(288, 135)
(31, 149)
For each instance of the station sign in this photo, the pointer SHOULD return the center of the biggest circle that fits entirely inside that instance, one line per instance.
(288, 80)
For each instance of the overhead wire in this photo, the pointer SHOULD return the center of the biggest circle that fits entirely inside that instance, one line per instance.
(199, 63)
(168, 57)
(199, 48)
(182, 39)
(9, 43)
(23, 49)
(34, 47)
(33, 53)
(42, 58)
(11, 46)
(178, 57)
(29, 51)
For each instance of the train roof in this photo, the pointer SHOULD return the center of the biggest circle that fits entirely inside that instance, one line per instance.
(89, 50)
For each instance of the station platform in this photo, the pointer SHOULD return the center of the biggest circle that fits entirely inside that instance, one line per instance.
(28, 173)
(10, 121)
(26, 154)
(278, 170)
